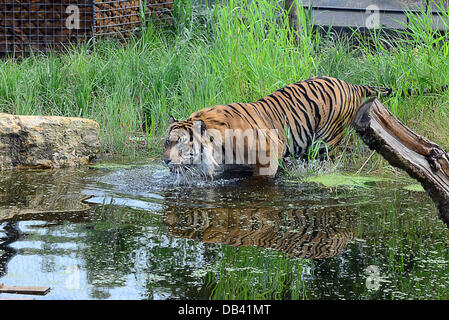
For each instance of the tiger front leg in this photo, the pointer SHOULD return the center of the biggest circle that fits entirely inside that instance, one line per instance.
(270, 150)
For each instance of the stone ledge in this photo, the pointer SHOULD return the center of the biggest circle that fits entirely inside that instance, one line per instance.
(47, 141)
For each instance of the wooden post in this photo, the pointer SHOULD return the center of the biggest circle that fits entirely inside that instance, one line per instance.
(24, 290)
(291, 8)
(422, 159)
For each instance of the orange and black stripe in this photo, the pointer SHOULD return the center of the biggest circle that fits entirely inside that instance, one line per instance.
(310, 110)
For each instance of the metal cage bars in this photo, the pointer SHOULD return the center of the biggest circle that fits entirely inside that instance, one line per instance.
(40, 25)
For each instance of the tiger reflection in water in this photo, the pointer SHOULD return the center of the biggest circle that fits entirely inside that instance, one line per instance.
(312, 233)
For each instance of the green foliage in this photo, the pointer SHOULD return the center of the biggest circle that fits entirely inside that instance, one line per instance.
(316, 148)
(237, 51)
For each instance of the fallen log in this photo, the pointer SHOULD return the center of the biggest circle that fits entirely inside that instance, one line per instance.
(422, 159)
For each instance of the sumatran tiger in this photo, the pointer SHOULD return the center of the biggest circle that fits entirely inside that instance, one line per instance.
(257, 135)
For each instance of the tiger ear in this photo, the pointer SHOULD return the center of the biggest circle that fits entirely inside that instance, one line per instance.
(172, 120)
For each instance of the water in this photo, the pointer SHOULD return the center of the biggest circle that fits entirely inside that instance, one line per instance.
(145, 235)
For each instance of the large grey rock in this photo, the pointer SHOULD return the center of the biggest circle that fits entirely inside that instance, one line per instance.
(47, 141)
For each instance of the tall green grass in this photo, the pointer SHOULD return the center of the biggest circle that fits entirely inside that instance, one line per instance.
(236, 51)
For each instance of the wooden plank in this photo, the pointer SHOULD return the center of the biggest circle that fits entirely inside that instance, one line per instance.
(16, 298)
(24, 290)
(422, 159)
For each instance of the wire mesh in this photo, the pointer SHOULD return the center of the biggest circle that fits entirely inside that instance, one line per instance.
(43, 25)
(124, 16)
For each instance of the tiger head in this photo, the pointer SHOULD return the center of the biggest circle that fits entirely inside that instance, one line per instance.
(188, 147)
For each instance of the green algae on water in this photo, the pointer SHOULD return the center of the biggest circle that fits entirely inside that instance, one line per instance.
(415, 187)
(110, 166)
(336, 180)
